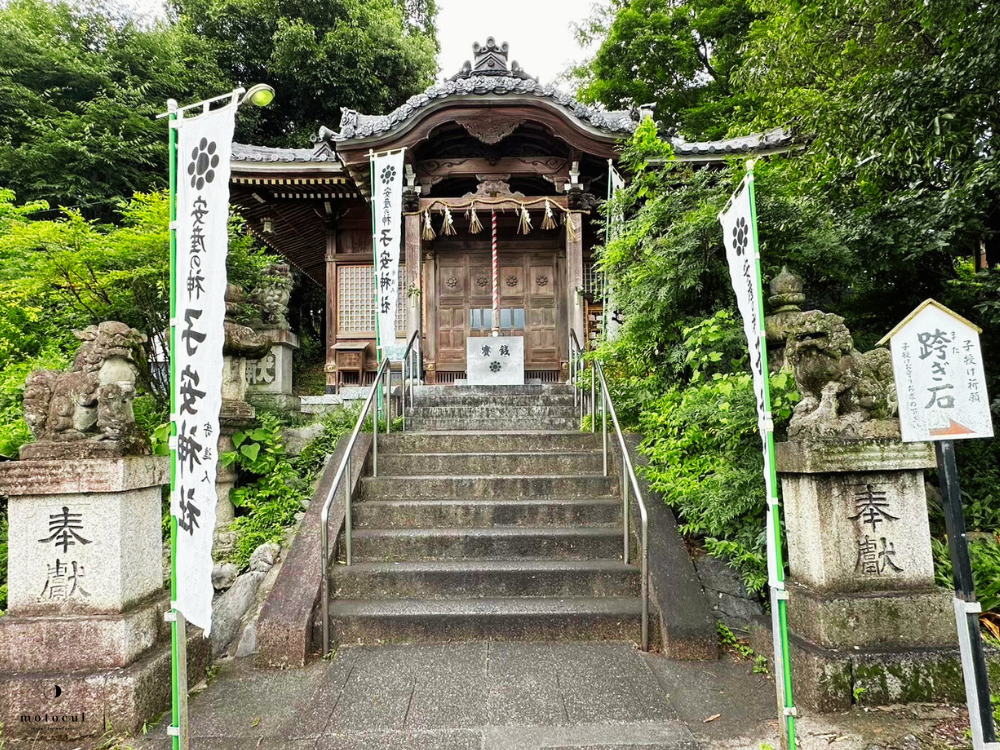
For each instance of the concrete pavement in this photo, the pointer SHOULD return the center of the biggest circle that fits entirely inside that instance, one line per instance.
(523, 696)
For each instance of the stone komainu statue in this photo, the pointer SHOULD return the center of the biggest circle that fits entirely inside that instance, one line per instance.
(845, 393)
(274, 291)
(93, 401)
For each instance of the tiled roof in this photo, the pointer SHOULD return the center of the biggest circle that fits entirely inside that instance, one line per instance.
(354, 125)
(775, 138)
(263, 154)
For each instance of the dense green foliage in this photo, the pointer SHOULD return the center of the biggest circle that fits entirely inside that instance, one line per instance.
(68, 273)
(704, 450)
(274, 486)
(79, 91)
(80, 87)
(889, 198)
(321, 57)
(680, 56)
(985, 554)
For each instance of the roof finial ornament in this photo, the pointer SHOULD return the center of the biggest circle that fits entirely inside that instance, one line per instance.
(490, 59)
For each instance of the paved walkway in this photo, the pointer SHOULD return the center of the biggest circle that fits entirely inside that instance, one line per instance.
(465, 696)
(517, 696)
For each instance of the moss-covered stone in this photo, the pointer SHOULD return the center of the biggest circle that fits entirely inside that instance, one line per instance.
(832, 681)
(922, 678)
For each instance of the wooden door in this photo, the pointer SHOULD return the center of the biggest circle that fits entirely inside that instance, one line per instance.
(529, 301)
(542, 339)
(452, 310)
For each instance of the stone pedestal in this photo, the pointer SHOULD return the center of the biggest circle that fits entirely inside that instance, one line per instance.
(242, 345)
(269, 379)
(84, 637)
(868, 625)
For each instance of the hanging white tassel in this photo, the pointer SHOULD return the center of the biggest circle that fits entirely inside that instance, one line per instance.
(428, 233)
(448, 226)
(549, 222)
(525, 226)
(475, 226)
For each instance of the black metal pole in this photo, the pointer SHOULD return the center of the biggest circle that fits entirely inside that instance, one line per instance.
(958, 545)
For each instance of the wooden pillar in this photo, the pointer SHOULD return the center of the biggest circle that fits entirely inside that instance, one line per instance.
(411, 235)
(574, 277)
(331, 307)
(430, 316)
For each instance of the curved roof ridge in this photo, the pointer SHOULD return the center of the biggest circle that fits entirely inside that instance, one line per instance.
(355, 125)
(775, 139)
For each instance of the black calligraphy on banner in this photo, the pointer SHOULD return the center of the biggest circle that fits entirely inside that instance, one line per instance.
(387, 200)
(199, 288)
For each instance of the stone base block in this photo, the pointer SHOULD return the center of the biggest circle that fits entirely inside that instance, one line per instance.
(831, 681)
(275, 401)
(108, 557)
(325, 404)
(50, 706)
(873, 620)
(64, 643)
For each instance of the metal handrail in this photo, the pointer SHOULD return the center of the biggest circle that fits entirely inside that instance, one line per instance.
(412, 362)
(345, 471)
(577, 366)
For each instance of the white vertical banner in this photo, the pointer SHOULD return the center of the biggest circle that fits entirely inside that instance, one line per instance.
(741, 252)
(616, 217)
(204, 146)
(387, 226)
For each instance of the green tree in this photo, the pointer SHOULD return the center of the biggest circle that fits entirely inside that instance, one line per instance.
(67, 273)
(678, 54)
(79, 92)
(321, 57)
(900, 106)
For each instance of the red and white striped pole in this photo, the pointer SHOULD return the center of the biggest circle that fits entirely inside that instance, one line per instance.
(496, 278)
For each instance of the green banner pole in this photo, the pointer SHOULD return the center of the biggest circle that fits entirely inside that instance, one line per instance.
(178, 634)
(780, 600)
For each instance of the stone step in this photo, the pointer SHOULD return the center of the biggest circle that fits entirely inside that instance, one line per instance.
(479, 486)
(401, 620)
(492, 464)
(495, 410)
(485, 513)
(497, 543)
(461, 397)
(447, 391)
(486, 442)
(471, 579)
(492, 423)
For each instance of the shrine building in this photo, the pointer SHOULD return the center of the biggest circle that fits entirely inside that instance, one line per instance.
(490, 140)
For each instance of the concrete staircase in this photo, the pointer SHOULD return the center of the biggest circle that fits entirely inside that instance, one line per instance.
(491, 519)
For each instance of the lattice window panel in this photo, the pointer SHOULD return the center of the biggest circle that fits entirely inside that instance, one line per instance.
(593, 280)
(356, 300)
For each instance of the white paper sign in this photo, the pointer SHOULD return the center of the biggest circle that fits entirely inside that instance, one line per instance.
(203, 153)
(495, 360)
(940, 382)
(387, 208)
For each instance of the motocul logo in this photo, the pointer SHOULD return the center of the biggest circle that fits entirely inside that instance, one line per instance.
(54, 695)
